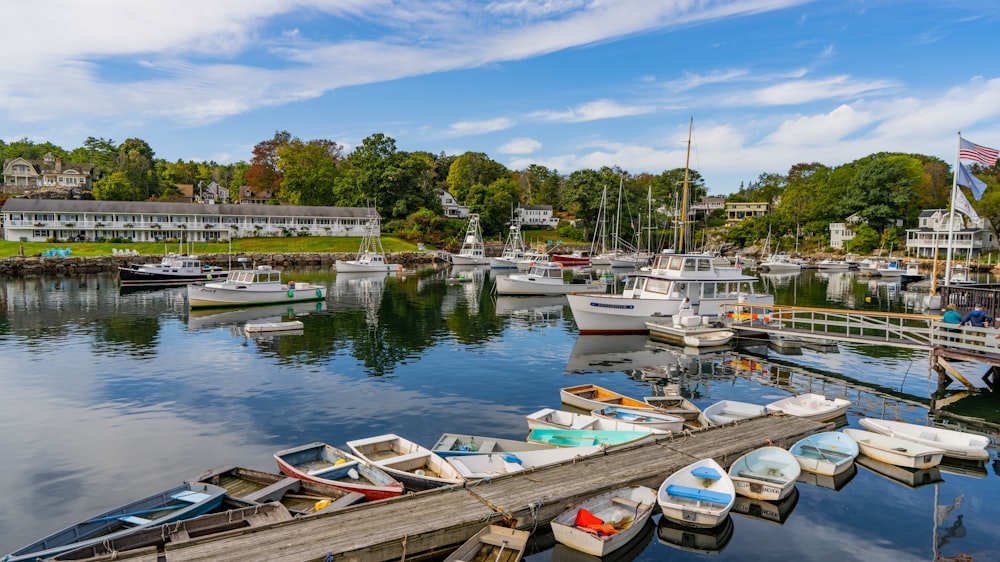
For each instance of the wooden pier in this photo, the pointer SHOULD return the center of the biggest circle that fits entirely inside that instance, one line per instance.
(431, 523)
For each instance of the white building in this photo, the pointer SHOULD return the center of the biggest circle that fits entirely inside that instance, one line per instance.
(841, 232)
(967, 235)
(20, 175)
(536, 215)
(452, 209)
(36, 220)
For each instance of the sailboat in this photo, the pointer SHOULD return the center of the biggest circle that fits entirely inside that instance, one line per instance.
(473, 252)
(371, 255)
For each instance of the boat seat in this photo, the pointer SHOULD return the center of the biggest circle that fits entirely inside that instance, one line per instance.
(191, 497)
(324, 469)
(699, 494)
(447, 443)
(488, 446)
(707, 473)
(496, 540)
(134, 520)
(275, 491)
(927, 435)
(608, 400)
(403, 458)
(625, 502)
(762, 477)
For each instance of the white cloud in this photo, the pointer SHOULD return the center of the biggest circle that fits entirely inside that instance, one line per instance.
(520, 146)
(805, 91)
(821, 129)
(463, 128)
(592, 111)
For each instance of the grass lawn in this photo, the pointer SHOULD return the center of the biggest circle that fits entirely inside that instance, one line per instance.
(306, 244)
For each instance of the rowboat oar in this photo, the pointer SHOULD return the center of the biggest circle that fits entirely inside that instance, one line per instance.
(143, 512)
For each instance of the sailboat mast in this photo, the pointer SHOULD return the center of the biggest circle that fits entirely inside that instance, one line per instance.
(684, 193)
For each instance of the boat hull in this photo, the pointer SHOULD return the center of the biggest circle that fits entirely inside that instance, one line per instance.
(591, 397)
(689, 499)
(768, 473)
(954, 443)
(726, 411)
(636, 502)
(524, 285)
(210, 296)
(353, 266)
(828, 453)
(811, 406)
(894, 451)
(321, 463)
(129, 277)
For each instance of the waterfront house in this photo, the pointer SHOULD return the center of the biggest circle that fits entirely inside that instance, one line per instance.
(536, 216)
(37, 220)
(841, 232)
(968, 236)
(739, 210)
(21, 175)
(452, 209)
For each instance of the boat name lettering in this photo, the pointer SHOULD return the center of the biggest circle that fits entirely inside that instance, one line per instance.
(621, 306)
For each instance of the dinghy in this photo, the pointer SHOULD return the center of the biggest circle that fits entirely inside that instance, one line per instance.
(494, 543)
(605, 523)
(493, 465)
(325, 464)
(641, 418)
(452, 444)
(811, 406)
(829, 453)
(417, 467)
(726, 411)
(560, 419)
(590, 397)
(955, 444)
(768, 473)
(895, 451)
(611, 440)
(698, 495)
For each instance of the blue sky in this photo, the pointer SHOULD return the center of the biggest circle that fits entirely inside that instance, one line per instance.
(568, 84)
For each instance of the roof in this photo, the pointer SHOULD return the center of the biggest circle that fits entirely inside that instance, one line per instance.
(21, 204)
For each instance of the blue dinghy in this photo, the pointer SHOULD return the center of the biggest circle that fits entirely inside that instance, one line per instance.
(181, 502)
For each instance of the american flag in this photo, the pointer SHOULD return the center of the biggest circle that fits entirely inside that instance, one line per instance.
(968, 150)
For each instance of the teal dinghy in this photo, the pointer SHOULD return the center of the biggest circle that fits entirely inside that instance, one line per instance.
(583, 437)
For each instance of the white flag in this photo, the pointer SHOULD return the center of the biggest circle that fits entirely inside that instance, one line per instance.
(962, 205)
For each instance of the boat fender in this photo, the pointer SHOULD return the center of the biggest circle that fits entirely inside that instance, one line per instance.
(291, 293)
(321, 504)
(319, 292)
(419, 472)
(339, 462)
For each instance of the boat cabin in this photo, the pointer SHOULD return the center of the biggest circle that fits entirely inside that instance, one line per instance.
(262, 274)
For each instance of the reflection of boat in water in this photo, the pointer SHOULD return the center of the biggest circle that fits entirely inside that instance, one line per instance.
(547, 308)
(909, 477)
(770, 511)
(972, 469)
(212, 318)
(628, 551)
(615, 353)
(835, 483)
(694, 539)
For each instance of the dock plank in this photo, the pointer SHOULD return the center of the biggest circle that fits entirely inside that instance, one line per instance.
(435, 521)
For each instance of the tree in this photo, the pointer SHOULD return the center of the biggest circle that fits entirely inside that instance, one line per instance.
(309, 171)
(135, 160)
(473, 168)
(113, 187)
(264, 175)
(884, 189)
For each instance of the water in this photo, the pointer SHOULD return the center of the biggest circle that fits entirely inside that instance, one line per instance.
(108, 397)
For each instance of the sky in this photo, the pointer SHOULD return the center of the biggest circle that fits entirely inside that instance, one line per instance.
(567, 84)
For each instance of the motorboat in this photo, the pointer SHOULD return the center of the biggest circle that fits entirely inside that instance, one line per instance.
(547, 278)
(173, 269)
(252, 287)
(473, 251)
(658, 294)
(371, 255)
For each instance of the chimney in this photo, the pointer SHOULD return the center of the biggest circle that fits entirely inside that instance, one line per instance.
(58, 164)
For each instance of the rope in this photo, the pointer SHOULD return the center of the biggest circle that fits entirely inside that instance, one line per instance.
(533, 509)
(403, 544)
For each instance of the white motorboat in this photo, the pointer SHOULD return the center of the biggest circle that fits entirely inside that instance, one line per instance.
(828, 453)
(767, 473)
(371, 256)
(259, 286)
(812, 406)
(417, 467)
(657, 294)
(547, 278)
(585, 527)
(473, 251)
(895, 451)
(698, 495)
(726, 411)
(955, 444)
(513, 250)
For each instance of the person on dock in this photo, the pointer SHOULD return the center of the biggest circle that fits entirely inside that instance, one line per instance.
(952, 316)
(976, 317)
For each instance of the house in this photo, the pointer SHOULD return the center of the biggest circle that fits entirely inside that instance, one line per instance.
(187, 193)
(37, 220)
(536, 216)
(247, 195)
(968, 237)
(452, 209)
(709, 204)
(841, 232)
(739, 210)
(21, 175)
(214, 193)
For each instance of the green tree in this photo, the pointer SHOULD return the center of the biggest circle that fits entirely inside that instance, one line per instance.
(473, 168)
(309, 170)
(884, 189)
(136, 160)
(113, 187)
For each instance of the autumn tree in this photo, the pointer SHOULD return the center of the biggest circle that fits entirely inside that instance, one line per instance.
(264, 175)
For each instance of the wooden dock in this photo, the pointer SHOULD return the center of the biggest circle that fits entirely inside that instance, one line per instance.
(431, 523)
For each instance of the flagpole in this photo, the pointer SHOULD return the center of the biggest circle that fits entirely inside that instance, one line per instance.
(951, 213)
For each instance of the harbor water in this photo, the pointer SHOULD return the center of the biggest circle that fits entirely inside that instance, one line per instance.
(108, 396)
